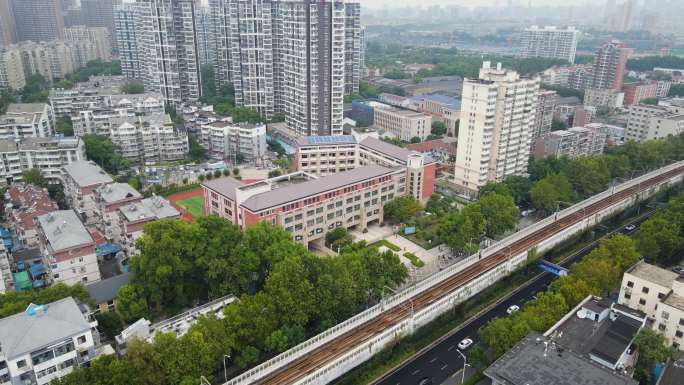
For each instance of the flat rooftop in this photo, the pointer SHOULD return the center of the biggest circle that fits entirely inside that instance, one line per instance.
(153, 208)
(531, 362)
(674, 300)
(326, 140)
(64, 229)
(396, 152)
(86, 173)
(445, 100)
(114, 192)
(225, 186)
(26, 108)
(653, 274)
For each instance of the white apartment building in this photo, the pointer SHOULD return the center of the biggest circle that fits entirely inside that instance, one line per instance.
(49, 155)
(550, 42)
(497, 122)
(46, 342)
(27, 120)
(659, 293)
(606, 98)
(110, 198)
(648, 122)
(543, 119)
(229, 141)
(573, 143)
(80, 180)
(68, 248)
(402, 123)
(99, 36)
(260, 45)
(134, 216)
(127, 40)
(149, 138)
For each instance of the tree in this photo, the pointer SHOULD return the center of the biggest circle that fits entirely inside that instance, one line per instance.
(133, 87)
(653, 349)
(109, 323)
(130, 305)
(546, 193)
(464, 229)
(495, 187)
(438, 128)
(589, 175)
(520, 188)
(557, 125)
(245, 114)
(34, 176)
(499, 212)
(477, 357)
(657, 238)
(105, 153)
(649, 101)
(401, 209)
(64, 126)
(415, 139)
(196, 151)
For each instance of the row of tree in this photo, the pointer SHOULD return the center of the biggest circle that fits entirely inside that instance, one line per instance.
(662, 234)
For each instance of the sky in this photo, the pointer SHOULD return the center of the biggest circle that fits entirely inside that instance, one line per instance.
(471, 3)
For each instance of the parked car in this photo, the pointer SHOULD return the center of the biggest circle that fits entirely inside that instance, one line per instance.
(630, 227)
(678, 269)
(512, 309)
(465, 344)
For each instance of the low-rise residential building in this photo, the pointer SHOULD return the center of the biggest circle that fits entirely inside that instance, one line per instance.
(636, 92)
(134, 216)
(659, 293)
(49, 155)
(235, 142)
(25, 202)
(104, 292)
(573, 143)
(6, 279)
(648, 122)
(109, 198)
(68, 247)
(604, 98)
(96, 118)
(27, 120)
(46, 342)
(81, 180)
(152, 137)
(326, 155)
(442, 108)
(615, 135)
(402, 123)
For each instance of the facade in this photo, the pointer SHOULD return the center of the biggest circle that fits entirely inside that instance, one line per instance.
(11, 70)
(46, 342)
(259, 52)
(125, 19)
(550, 42)
(326, 155)
(99, 36)
(604, 98)
(206, 38)
(109, 198)
(68, 247)
(151, 137)
(497, 121)
(442, 108)
(610, 62)
(635, 93)
(573, 143)
(230, 141)
(49, 155)
(134, 216)
(38, 20)
(654, 122)
(27, 120)
(543, 119)
(26, 202)
(100, 14)
(81, 180)
(659, 293)
(401, 123)
(7, 36)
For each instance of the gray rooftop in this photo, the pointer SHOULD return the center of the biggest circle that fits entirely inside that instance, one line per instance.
(326, 140)
(106, 289)
(87, 173)
(22, 333)
(396, 152)
(152, 208)
(28, 144)
(294, 192)
(674, 300)
(674, 372)
(225, 186)
(26, 108)
(653, 274)
(115, 192)
(527, 363)
(64, 229)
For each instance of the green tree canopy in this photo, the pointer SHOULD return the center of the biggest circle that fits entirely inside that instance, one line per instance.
(34, 176)
(401, 209)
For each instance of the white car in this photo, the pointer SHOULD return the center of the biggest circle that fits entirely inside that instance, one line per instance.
(630, 227)
(512, 309)
(465, 343)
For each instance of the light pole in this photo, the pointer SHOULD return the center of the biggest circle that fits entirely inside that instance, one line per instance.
(465, 363)
(555, 217)
(225, 367)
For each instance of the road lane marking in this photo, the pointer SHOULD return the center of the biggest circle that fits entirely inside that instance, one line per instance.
(415, 372)
(450, 347)
(444, 367)
(433, 360)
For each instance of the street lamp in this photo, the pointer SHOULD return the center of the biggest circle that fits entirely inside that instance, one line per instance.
(465, 363)
(555, 217)
(225, 367)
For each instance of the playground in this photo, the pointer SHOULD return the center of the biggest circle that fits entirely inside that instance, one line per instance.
(189, 203)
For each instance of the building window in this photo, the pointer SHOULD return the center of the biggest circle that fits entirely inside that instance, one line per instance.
(644, 290)
(679, 334)
(630, 284)
(81, 339)
(642, 301)
(21, 364)
(661, 295)
(661, 327)
(665, 315)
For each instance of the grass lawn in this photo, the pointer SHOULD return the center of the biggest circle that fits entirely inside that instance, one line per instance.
(386, 243)
(194, 206)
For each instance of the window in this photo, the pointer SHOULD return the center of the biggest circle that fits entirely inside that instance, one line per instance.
(319, 210)
(21, 364)
(298, 217)
(310, 213)
(661, 295)
(81, 339)
(661, 327)
(630, 284)
(665, 315)
(644, 290)
(288, 219)
(681, 322)
(642, 301)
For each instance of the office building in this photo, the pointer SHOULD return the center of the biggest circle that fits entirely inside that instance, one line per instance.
(550, 42)
(659, 293)
(27, 120)
(400, 122)
(99, 36)
(80, 180)
(260, 47)
(25, 203)
(38, 20)
(654, 122)
(48, 155)
(235, 142)
(46, 342)
(543, 119)
(573, 143)
(610, 61)
(497, 121)
(125, 19)
(68, 247)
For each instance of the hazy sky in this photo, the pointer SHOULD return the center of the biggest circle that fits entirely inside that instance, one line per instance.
(471, 3)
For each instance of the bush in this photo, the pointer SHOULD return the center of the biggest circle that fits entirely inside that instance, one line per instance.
(415, 261)
(109, 324)
(387, 244)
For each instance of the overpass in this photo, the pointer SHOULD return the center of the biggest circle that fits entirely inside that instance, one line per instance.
(339, 349)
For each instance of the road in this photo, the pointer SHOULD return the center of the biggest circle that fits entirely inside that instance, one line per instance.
(442, 361)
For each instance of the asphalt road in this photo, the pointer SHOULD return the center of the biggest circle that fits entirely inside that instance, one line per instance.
(443, 361)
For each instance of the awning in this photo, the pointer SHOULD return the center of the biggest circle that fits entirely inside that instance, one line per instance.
(36, 270)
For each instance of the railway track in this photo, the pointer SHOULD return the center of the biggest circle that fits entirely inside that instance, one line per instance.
(335, 348)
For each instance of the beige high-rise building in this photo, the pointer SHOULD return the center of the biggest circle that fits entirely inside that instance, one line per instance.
(98, 36)
(497, 121)
(6, 23)
(11, 70)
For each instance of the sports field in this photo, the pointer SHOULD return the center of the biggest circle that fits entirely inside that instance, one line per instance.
(193, 205)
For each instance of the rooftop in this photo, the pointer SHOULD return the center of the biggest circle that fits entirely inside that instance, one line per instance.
(653, 274)
(616, 339)
(448, 101)
(396, 152)
(532, 362)
(152, 208)
(28, 202)
(326, 140)
(225, 186)
(26, 108)
(433, 145)
(23, 333)
(294, 192)
(64, 229)
(33, 144)
(106, 289)
(674, 372)
(86, 173)
(674, 300)
(115, 192)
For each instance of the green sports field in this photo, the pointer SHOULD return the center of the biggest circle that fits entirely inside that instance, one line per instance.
(194, 206)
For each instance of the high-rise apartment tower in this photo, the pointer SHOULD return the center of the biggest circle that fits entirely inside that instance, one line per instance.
(550, 42)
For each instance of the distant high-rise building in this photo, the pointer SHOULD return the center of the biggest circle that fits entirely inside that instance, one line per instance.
(610, 62)
(6, 23)
(164, 36)
(38, 20)
(497, 121)
(99, 13)
(206, 41)
(543, 119)
(99, 36)
(297, 57)
(550, 42)
(621, 17)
